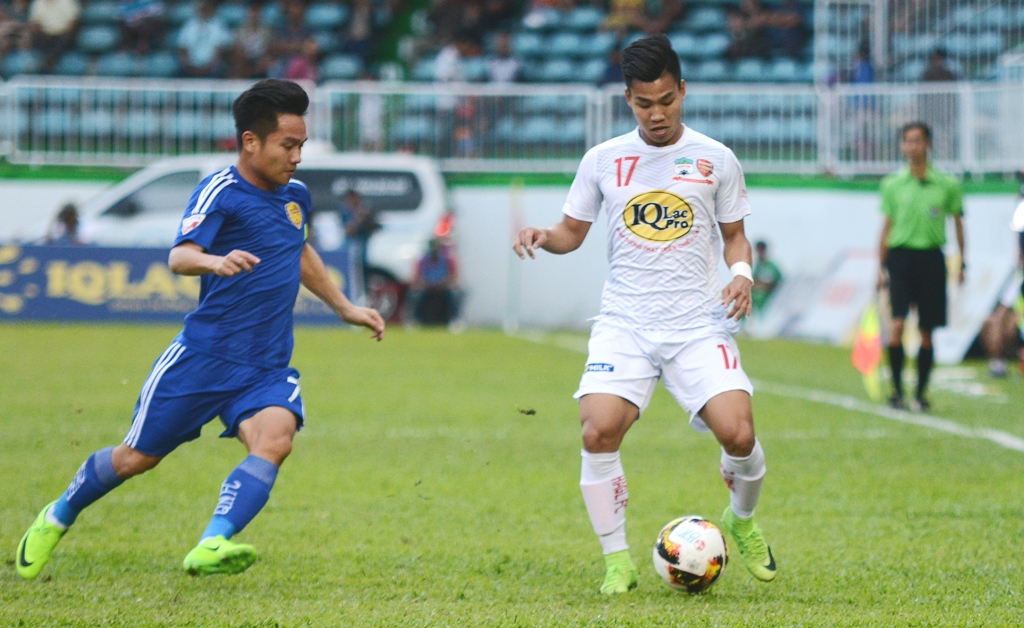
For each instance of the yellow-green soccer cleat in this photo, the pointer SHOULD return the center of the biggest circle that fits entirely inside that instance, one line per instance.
(219, 555)
(620, 576)
(757, 556)
(37, 544)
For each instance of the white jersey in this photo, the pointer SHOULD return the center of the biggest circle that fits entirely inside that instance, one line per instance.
(664, 204)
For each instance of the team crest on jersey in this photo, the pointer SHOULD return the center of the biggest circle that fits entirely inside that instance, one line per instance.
(658, 216)
(294, 214)
(191, 222)
(684, 167)
(705, 167)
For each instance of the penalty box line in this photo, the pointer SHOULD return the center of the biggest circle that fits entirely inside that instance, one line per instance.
(846, 402)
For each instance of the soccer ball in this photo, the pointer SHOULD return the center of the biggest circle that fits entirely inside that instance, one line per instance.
(690, 554)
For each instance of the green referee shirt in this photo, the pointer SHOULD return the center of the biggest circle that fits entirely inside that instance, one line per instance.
(918, 209)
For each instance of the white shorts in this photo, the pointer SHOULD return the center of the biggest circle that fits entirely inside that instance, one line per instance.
(696, 365)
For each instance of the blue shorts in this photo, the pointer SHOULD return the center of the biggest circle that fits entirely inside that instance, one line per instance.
(187, 389)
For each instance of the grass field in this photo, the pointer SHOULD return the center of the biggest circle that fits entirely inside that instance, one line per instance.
(419, 495)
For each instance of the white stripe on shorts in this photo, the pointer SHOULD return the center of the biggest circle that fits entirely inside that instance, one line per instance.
(165, 362)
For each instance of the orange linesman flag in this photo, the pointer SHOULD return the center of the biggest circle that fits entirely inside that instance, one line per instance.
(867, 351)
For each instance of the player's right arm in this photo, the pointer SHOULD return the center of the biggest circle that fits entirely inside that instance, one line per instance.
(188, 258)
(560, 238)
(580, 211)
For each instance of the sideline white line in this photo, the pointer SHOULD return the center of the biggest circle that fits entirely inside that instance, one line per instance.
(1003, 439)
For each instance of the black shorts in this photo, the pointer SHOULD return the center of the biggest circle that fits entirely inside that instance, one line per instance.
(918, 277)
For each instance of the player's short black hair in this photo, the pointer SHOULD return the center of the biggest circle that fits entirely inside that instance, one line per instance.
(646, 59)
(257, 108)
(917, 124)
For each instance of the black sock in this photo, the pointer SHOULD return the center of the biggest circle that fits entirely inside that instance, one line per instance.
(925, 359)
(896, 364)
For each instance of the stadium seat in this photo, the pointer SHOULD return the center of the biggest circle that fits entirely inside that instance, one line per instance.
(117, 64)
(100, 12)
(189, 125)
(630, 38)
(527, 44)
(419, 102)
(848, 20)
(583, 19)
(802, 130)
(21, 62)
(685, 44)
(770, 129)
(325, 16)
(98, 39)
(975, 45)
(591, 71)
(55, 121)
(713, 45)
(272, 15)
(996, 16)
(181, 13)
(598, 44)
(731, 129)
(836, 46)
(232, 14)
(564, 45)
(553, 103)
(1016, 18)
(749, 71)
(341, 67)
(142, 123)
(327, 42)
(571, 131)
(72, 64)
(715, 70)
(162, 64)
(224, 126)
(783, 70)
(425, 70)
(97, 122)
(704, 19)
(474, 69)
(557, 71)
(911, 70)
(504, 129)
(545, 19)
(536, 130)
(413, 129)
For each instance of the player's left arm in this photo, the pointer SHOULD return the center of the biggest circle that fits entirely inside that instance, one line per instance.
(737, 251)
(314, 277)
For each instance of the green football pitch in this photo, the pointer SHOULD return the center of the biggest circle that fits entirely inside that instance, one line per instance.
(421, 493)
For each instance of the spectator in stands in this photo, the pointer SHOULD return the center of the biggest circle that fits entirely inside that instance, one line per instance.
(503, 67)
(306, 65)
(449, 67)
(202, 43)
(142, 22)
(359, 40)
(613, 71)
(54, 25)
(289, 40)
(787, 30)
(446, 23)
(14, 26)
(64, 230)
(249, 57)
(862, 72)
(767, 277)
(747, 27)
(624, 15)
(360, 222)
(433, 287)
(1001, 332)
(937, 69)
(541, 13)
(500, 12)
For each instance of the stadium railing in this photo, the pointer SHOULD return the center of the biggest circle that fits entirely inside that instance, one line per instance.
(845, 129)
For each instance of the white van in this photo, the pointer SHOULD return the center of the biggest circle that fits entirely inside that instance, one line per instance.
(408, 191)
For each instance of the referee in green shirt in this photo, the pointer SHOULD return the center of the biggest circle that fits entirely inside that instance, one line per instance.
(916, 202)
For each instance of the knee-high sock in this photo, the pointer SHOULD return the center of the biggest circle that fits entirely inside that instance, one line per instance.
(95, 478)
(242, 496)
(896, 364)
(925, 359)
(744, 477)
(603, 483)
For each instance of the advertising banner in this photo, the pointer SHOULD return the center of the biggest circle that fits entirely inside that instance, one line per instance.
(82, 283)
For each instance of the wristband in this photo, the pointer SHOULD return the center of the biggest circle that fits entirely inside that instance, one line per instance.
(742, 269)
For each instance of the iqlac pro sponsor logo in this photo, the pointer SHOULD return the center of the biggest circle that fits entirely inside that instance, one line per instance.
(600, 367)
(658, 216)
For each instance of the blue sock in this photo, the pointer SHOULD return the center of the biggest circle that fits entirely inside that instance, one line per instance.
(242, 496)
(95, 478)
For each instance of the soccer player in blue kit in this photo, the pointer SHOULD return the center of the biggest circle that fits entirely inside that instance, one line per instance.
(244, 232)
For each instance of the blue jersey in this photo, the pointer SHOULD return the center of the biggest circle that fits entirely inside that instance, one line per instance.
(246, 319)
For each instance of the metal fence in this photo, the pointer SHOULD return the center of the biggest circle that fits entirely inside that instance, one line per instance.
(845, 129)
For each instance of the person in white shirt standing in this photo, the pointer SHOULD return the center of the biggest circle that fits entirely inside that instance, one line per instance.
(675, 201)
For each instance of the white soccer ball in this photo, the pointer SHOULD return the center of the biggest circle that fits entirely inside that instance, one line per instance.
(690, 554)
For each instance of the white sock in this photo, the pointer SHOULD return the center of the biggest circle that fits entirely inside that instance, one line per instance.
(744, 477)
(603, 483)
(51, 519)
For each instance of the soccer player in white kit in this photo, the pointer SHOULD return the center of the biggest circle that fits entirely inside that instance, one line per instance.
(674, 198)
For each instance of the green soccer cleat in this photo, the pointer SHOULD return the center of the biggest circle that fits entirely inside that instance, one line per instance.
(757, 556)
(620, 576)
(219, 555)
(37, 544)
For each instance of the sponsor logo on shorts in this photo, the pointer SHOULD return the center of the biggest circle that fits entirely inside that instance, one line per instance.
(658, 216)
(600, 367)
(294, 214)
(191, 222)
(684, 167)
(705, 167)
